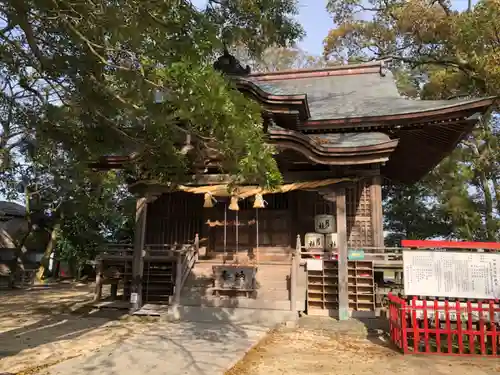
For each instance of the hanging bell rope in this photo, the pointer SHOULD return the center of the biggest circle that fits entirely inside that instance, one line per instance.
(259, 201)
(209, 200)
(233, 206)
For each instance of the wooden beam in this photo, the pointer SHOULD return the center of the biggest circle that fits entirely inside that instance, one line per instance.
(138, 256)
(342, 249)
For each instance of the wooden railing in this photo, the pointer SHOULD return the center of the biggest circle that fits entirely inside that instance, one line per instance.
(184, 256)
(387, 255)
(149, 251)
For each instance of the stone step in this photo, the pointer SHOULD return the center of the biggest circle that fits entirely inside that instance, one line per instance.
(240, 316)
(199, 296)
(210, 291)
(245, 259)
(241, 302)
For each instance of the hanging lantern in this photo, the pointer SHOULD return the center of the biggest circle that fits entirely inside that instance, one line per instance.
(233, 206)
(209, 201)
(259, 201)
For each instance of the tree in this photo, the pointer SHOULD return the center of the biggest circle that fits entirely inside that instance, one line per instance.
(438, 53)
(275, 59)
(413, 212)
(77, 209)
(458, 50)
(82, 79)
(89, 72)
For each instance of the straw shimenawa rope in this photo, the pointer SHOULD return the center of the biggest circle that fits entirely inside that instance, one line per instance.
(243, 192)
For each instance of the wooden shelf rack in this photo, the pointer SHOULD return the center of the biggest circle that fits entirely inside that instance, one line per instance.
(322, 288)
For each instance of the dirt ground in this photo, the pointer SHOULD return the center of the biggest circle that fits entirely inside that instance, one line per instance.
(318, 351)
(42, 327)
(46, 325)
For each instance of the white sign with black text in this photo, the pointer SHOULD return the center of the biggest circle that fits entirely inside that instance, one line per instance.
(451, 274)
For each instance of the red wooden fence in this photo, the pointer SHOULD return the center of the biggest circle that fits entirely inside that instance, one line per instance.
(445, 328)
(430, 244)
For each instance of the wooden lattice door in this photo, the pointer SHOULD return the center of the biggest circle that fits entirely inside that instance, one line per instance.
(359, 215)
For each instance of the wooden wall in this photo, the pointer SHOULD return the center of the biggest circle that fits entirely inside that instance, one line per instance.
(274, 224)
(363, 213)
(178, 216)
(174, 217)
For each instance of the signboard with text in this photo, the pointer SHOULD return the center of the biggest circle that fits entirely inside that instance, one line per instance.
(451, 274)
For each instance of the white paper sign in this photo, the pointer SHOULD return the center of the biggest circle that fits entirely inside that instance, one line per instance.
(451, 274)
(134, 297)
(314, 264)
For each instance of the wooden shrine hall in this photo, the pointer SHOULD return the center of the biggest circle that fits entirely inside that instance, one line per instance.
(340, 133)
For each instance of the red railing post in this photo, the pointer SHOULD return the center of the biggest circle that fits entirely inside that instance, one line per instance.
(415, 325)
(437, 323)
(404, 332)
(482, 336)
(447, 328)
(458, 309)
(426, 328)
(494, 333)
(470, 329)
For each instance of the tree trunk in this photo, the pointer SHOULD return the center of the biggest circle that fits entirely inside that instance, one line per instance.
(20, 248)
(496, 189)
(48, 251)
(490, 221)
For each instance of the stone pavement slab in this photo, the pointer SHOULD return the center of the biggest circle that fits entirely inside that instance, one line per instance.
(171, 349)
(209, 343)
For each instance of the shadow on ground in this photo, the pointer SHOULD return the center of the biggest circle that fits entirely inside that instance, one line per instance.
(373, 329)
(56, 327)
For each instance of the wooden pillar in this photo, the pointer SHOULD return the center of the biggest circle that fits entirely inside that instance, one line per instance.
(342, 249)
(376, 209)
(294, 271)
(178, 277)
(138, 257)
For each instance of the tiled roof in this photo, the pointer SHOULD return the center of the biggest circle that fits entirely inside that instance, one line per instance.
(350, 95)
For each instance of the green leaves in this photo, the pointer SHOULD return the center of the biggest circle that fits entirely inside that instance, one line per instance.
(104, 62)
(79, 78)
(255, 23)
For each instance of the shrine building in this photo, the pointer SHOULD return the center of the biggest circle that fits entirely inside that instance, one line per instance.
(340, 133)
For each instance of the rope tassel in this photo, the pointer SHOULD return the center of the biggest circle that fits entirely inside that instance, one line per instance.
(233, 206)
(259, 201)
(209, 201)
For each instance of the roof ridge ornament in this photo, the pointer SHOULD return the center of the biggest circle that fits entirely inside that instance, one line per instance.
(229, 65)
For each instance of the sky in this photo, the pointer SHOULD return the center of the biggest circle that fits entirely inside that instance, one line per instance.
(317, 22)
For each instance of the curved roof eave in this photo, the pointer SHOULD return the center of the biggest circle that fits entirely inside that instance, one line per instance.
(481, 104)
(339, 155)
(299, 100)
